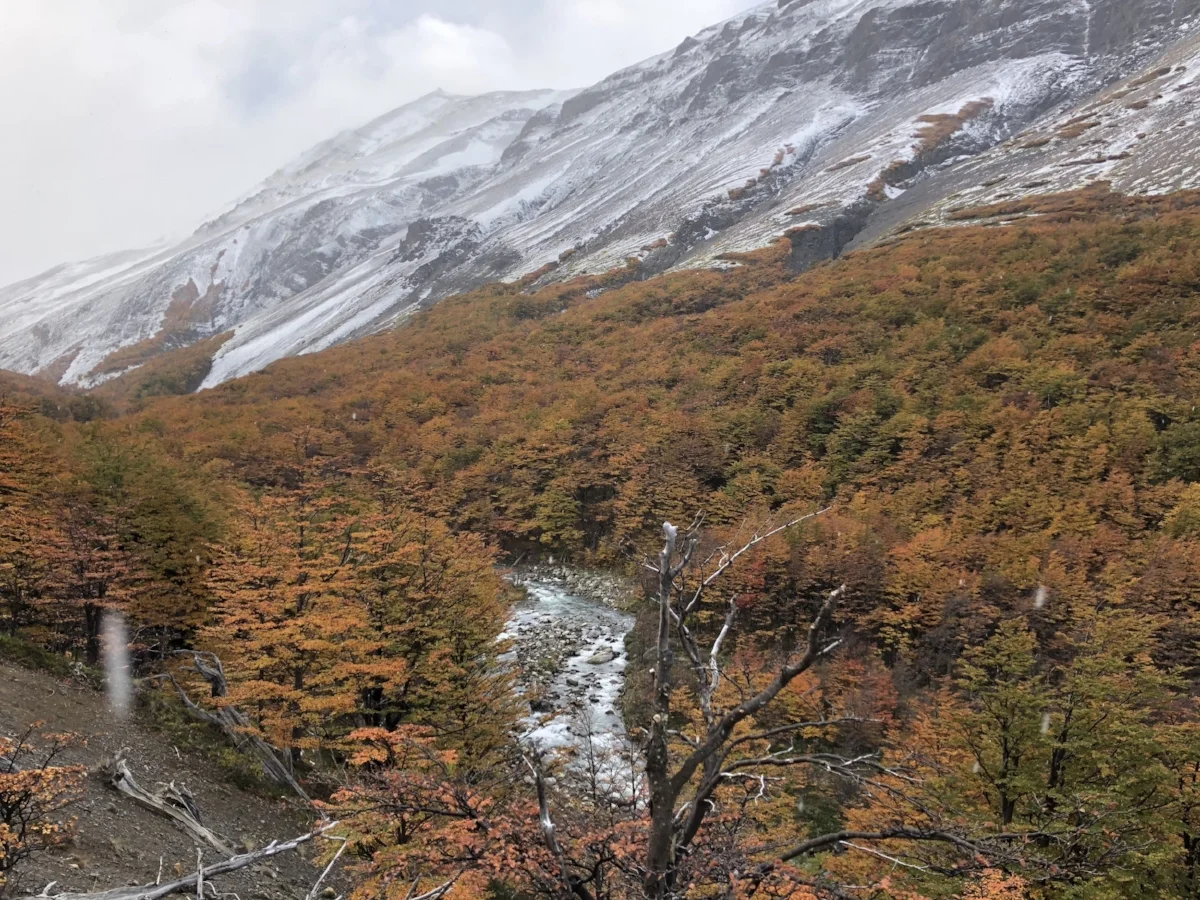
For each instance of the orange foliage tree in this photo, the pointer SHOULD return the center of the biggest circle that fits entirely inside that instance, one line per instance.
(345, 618)
(28, 533)
(35, 791)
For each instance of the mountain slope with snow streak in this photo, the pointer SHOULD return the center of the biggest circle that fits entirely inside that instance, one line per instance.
(1138, 136)
(825, 120)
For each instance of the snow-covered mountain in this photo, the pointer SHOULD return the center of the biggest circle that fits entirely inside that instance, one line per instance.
(829, 120)
(1138, 136)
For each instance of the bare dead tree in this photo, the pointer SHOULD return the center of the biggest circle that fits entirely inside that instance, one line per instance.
(174, 802)
(681, 789)
(683, 771)
(680, 784)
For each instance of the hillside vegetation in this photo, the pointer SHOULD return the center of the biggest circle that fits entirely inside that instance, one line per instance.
(1001, 421)
(1010, 407)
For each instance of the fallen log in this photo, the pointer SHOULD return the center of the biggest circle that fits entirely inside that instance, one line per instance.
(188, 883)
(233, 723)
(176, 803)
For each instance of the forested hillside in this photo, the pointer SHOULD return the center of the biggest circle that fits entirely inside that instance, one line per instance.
(997, 427)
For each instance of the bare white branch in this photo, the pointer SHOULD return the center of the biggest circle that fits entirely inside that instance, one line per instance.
(880, 855)
(728, 559)
(206, 874)
(312, 895)
(716, 647)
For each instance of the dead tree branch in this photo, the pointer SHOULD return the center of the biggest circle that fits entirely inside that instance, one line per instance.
(312, 894)
(189, 882)
(673, 829)
(176, 803)
(237, 727)
(571, 886)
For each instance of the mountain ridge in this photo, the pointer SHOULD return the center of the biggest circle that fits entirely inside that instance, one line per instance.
(813, 121)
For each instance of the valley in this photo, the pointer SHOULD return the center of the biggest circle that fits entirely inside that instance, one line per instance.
(944, 500)
(770, 472)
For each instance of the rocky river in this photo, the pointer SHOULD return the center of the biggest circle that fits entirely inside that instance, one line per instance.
(568, 639)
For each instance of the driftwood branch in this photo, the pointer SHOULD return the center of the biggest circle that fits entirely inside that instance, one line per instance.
(189, 882)
(175, 803)
(438, 892)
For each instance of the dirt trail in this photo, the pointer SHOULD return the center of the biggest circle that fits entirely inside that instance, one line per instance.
(120, 843)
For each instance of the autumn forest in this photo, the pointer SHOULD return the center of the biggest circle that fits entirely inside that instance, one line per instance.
(924, 624)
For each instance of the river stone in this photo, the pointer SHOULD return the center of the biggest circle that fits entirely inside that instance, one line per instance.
(604, 656)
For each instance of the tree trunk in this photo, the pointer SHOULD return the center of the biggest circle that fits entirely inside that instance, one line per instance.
(660, 848)
(92, 615)
(235, 724)
(17, 607)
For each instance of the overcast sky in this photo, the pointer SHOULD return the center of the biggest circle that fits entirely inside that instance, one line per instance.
(128, 120)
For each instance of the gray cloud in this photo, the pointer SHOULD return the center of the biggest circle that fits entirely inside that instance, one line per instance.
(131, 120)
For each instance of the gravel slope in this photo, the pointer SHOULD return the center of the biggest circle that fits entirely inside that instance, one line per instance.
(119, 843)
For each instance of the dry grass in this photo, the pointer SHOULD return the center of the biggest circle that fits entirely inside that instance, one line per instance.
(807, 208)
(847, 163)
(57, 369)
(1099, 199)
(1074, 129)
(183, 323)
(941, 127)
(172, 372)
(537, 274)
(876, 190)
(1151, 76)
(936, 130)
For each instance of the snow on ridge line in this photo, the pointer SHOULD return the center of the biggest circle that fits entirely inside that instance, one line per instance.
(694, 141)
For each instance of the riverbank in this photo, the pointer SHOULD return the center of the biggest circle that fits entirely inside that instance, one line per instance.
(605, 588)
(568, 643)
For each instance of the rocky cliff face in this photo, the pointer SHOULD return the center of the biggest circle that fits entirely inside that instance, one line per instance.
(828, 120)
